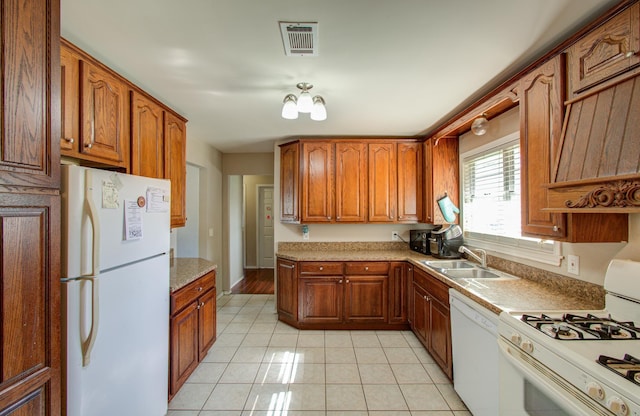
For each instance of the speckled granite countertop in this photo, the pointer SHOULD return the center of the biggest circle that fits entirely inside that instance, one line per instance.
(535, 289)
(186, 270)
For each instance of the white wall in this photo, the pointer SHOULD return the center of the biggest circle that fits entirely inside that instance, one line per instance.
(235, 248)
(594, 257)
(188, 244)
(209, 161)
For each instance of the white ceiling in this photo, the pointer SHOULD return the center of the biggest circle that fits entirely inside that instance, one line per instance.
(384, 67)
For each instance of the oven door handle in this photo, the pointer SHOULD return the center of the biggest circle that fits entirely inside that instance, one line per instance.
(554, 386)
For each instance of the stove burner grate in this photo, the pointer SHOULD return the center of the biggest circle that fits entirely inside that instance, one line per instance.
(577, 327)
(628, 367)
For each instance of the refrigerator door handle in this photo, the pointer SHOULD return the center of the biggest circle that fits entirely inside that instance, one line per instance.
(92, 213)
(88, 341)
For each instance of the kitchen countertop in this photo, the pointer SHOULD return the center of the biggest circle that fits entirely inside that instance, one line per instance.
(535, 289)
(185, 270)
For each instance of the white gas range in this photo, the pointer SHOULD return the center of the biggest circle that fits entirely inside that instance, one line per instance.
(575, 362)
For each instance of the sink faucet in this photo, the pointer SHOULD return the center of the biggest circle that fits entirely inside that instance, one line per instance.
(482, 258)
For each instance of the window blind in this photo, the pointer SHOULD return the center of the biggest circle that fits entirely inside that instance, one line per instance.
(491, 191)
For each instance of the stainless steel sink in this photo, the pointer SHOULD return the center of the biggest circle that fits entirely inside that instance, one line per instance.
(475, 273)
(441, 265)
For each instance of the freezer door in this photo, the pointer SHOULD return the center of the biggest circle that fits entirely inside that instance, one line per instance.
(94, 206)
(127, 373)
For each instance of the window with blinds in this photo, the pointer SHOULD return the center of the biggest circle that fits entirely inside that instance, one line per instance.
(491, 191)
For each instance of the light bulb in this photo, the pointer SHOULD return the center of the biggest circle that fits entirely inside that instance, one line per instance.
(305, 102)
(479, 125)
(319, 111)
(289, 110)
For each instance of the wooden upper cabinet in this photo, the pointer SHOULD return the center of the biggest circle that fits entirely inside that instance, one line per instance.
(29, 130)
(440, 176)
(289, 182)
(103, 132)
(605, 51)
(409, 182)
(382, 182)
(541, 114)
(147, 137)
(351, 182)
(175, 166)
(317, 181)
(70, 101)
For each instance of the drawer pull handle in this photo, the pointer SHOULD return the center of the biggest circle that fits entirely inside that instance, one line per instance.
(288, 266)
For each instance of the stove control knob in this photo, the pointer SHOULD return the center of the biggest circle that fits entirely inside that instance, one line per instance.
(516, 338)
(595, 391)
(618, 406)
(527, 346)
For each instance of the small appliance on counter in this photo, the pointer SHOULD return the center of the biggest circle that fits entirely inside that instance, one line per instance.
(445, 241)
(419, 240)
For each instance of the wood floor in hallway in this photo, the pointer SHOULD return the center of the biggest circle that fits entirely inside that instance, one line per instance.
(256, 281)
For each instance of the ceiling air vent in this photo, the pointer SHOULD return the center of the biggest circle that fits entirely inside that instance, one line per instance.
(300, 39)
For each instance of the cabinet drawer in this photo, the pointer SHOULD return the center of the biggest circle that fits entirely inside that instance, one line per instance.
(321, 268)
(190, 292)
(432, 285)
(357, 268)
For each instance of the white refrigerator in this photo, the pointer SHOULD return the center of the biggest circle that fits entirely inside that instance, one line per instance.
(115, 292)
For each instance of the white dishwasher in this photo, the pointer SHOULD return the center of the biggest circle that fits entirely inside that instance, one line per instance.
(474, 338)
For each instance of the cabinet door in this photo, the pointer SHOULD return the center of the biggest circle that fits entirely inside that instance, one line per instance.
(351, 182)
(366, 299)
(287, 290)
(541, 114)
(606, 51)
(175, 166)
(30, 88)
(184, 346)
(104, 98)
(399, 279)
(321, 299)
(317, 182)
(427, 182)
(382, 182)
(409, 182)
(444, 175)
(206, 322)
(70, 101)
(439, 327)
(147, 137)
(420, 309)
(289, 182)
(30, 299)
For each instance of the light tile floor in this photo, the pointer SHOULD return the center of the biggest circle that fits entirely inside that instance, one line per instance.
(259, 366)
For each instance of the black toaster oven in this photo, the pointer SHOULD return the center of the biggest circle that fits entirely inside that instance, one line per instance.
(419, 240)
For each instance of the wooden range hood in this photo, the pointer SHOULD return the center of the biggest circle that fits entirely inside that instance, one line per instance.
(597, 168)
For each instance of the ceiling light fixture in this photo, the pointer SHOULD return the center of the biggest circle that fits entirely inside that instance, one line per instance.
(480, 125)
(293, 105)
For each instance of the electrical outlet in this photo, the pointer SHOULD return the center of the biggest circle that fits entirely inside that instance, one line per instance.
(395, 236)
(573, 264)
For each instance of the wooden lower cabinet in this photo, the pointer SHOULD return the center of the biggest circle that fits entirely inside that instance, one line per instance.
(430, 318)
(287, 291)
(340, 295)
(192, 328)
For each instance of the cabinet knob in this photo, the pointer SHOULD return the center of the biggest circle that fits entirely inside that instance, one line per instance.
(321, 268)
(347, 281)
(199, 289)
(366, 267)
(556, 228)
(69, 139)
(629, 54)
(410, 269)
(338, 217)
(425, 298)
(340, 281)
(88, 145)
(329, 217)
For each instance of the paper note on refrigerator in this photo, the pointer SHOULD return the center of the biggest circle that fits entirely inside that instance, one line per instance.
(132, 220)
(158, 199)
